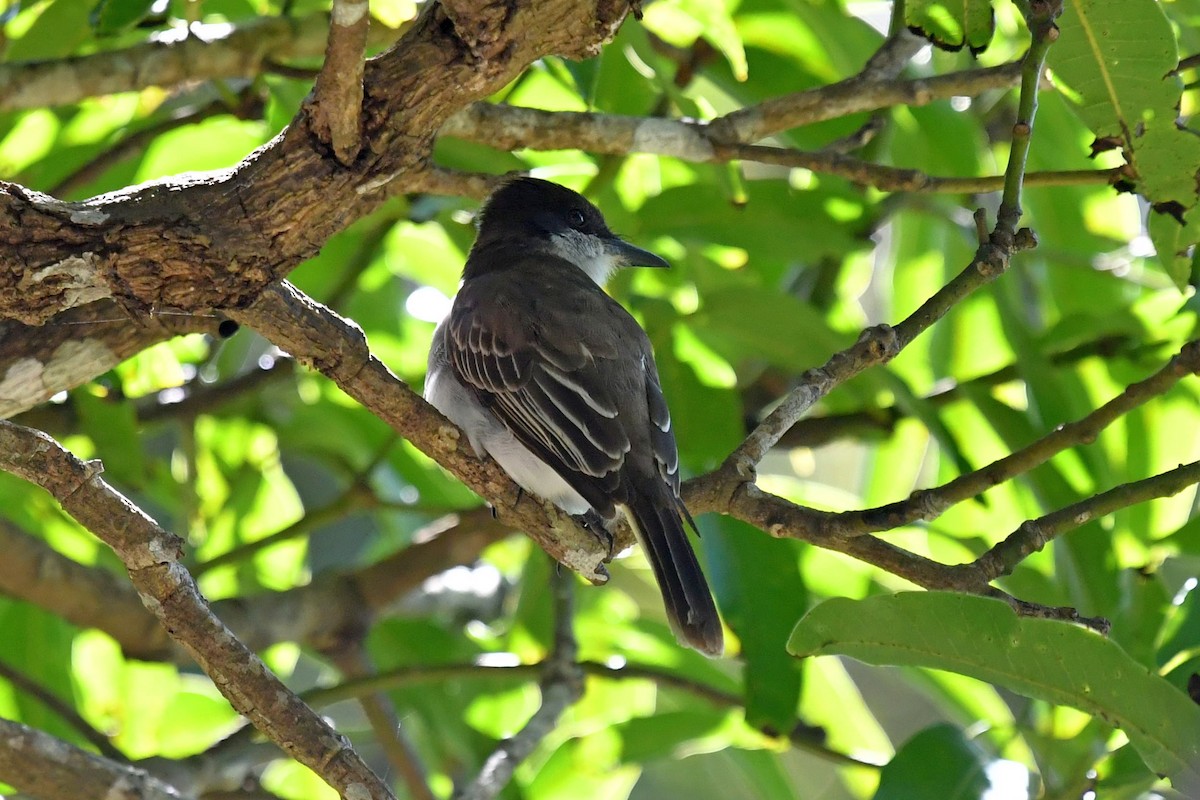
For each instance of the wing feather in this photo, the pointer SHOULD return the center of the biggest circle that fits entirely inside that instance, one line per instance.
(662, 438)
(542, 381)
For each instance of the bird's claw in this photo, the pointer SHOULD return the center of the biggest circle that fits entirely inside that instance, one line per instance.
(593, 523)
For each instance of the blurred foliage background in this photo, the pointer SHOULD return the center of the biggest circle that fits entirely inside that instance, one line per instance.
(275, 477)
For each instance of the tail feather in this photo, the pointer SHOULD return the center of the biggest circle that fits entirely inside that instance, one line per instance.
(686, 596)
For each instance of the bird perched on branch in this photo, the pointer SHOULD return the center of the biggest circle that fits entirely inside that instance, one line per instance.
(553, 379)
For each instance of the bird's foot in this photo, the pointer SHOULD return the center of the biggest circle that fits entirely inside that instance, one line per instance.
(593, 523)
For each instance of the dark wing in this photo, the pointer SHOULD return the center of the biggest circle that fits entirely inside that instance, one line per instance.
(535, 371)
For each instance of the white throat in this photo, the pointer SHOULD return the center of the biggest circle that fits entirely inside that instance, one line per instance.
(586, 252)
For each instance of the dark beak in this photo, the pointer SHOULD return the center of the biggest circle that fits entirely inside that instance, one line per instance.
(635, 256)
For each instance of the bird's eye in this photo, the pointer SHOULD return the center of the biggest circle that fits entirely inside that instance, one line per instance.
(576, 218)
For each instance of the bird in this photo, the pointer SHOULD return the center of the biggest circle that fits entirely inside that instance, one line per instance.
(555, 380)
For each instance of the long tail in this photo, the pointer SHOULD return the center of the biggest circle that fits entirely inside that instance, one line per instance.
(689, 603)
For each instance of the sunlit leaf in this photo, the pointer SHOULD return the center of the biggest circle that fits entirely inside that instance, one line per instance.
(984, 638)
(952, 25)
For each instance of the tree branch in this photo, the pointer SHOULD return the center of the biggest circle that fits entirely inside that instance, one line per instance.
(662, 678)
(1033, 535)
(562, 685)
(41, 765)
(1041, 18)
(217, 239)
(872, 422)
(151, 555)
(327, 614)
(55, 704)
(336, 347)
(198, 52)
(37, 363)
(855, 95)
(513, 127)
(879, 345)
(335, 106)
(928, 504)
(385, 723)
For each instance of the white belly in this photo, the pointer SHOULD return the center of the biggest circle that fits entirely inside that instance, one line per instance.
(488, 436)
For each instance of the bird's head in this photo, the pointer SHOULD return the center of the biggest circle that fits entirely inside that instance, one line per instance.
(545, 216)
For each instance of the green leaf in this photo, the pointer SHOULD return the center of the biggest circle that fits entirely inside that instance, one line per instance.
(581, 767)
(44, 654)
(112, 424)
(1114, 57)
(950, 24)
(703, 213)
(1044, 659)
(681, 22)
(786, 332)
(1167, 161)
(660, 735)
(60, 27)
(938, 762)
(1117, 60)
(757, 580)
(1174, 244)
(617, 87)
(114, 16)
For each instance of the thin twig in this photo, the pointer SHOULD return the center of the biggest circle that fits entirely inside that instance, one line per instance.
(854, 95)
(399, 750)
(928, 504)
(211, 52)
(1033, 535)
(134, 144)
(898, 179)
(201, 399)
(562, 685)
(878, 421)
(880, 344)
(1043, 31)
(357, 496)
(780, 517)
(441, 673)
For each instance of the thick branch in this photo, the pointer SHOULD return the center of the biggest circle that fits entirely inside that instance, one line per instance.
(41, 765)
(217, 239)
(37, 363)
